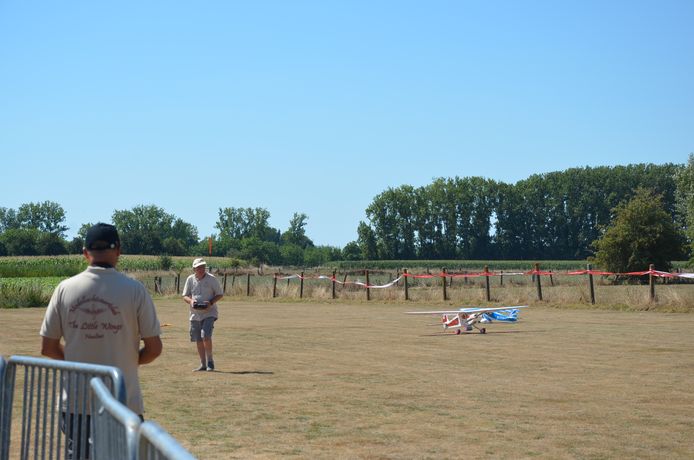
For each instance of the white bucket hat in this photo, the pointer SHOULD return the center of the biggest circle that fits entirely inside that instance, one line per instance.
(199, 261)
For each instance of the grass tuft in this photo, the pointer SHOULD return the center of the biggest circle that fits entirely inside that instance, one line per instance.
(23, 295)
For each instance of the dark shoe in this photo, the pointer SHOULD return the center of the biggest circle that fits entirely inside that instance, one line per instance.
(210, 365)
(201, 368)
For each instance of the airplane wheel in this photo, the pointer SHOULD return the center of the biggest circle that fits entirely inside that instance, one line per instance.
(457, 332)
(483, 331)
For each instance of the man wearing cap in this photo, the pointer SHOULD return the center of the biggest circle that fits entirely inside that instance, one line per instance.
(103, 316)
(201, 292)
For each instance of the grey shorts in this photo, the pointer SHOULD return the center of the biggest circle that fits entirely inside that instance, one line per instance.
(201, 329)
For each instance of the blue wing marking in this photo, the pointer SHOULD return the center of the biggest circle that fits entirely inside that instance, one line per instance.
(503, 315)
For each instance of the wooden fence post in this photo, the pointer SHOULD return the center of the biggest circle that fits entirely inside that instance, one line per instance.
(486, 281)
(443, 278)
(501, 278)
(537, 281)
(333, 281)
(368, 293)
(407, 291)
(590, 285)
(301, 286)
(248, 284)
(274, 286)
(224, 289)
(651, 283)
(551, 278)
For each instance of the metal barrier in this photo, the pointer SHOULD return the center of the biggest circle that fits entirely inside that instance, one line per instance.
(77, 410)
(119, 432)
(114, 426)
(55, 420)
(157, 444)
(3, 366)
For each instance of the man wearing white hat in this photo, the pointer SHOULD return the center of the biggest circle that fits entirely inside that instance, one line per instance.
(201, 292)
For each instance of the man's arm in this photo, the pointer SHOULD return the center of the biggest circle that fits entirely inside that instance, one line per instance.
(52, 348)
(217, 290)
(188, 292)
(151, 350)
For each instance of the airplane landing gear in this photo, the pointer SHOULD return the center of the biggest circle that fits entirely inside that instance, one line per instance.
(483, 330)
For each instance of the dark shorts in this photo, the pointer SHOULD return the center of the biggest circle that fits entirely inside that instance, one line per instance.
(77, 430)
(78, 435)
(200, 330)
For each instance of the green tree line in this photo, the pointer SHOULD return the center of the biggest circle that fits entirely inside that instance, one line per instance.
(244, 233)
(558, 215)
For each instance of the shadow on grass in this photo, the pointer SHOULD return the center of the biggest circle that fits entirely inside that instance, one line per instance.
(453, 334)
(244, 372)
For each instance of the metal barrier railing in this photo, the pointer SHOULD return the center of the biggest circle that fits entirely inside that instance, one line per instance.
(156, 444)
(77, 411)
(55, 420)
(114, 426)
(3, 366)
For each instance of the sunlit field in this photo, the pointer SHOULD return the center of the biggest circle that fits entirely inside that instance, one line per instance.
(363, 380)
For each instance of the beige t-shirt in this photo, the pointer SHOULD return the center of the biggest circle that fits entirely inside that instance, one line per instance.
(103, 315)
(202, 290)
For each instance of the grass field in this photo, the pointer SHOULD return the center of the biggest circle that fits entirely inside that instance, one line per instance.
(337, 380)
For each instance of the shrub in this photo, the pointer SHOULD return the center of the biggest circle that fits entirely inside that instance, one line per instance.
(22, 296)
(641, 233)
(165, 262)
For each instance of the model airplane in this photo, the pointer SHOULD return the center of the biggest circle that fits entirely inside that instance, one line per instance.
(465, 319)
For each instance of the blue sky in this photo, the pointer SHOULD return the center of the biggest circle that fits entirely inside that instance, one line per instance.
(318, 106)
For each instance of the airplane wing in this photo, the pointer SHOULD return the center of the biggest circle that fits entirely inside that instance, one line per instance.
(437, 312)
(464, 310)
(484, 310)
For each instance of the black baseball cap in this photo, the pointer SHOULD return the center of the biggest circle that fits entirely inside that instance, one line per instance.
(101, 236)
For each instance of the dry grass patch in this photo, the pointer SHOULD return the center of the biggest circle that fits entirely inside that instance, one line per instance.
(336, 380)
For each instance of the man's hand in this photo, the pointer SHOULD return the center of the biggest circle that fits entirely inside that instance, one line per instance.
(52, 348)
(151, 350)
